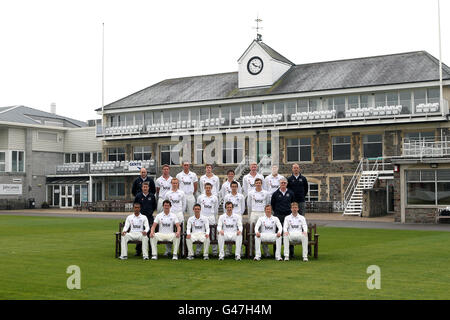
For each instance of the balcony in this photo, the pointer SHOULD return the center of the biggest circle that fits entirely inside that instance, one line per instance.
(311, 119)
(105, 167)
(426, 148)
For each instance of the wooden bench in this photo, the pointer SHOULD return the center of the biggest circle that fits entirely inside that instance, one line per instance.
(313, 241)
(442, 213)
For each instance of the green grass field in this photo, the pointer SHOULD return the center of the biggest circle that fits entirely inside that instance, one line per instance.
(36, 251)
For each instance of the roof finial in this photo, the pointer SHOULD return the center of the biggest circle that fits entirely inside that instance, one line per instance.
(258, 35)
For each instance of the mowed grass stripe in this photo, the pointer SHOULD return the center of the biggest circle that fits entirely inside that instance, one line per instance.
(35, 252)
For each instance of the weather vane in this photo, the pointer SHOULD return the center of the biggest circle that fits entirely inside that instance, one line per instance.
(258, 35)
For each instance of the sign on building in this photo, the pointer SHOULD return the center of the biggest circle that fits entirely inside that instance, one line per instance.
(134, 166)
(10, 189)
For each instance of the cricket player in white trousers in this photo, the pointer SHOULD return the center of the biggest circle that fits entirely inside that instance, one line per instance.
(210, 209)
(189, 185)
(295, 230)
(166, 221)
(268, 229)
(163, 185)
(177, 200)
(139, 229)
(229, 228)
(197, 230)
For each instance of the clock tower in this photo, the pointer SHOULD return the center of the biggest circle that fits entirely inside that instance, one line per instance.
(261, 66)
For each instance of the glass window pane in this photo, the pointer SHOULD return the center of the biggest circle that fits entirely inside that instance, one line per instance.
(433, 95)
(421, 193)
(157, 117)
(373, 150)
(364, 101)
(405, 102)
(353, 102)
(443, 175)
(291, 108)
(302, 105)
(195, 114)
(257, 109)
(139, 118)
(419, 96)
(380, 99)
(235, 113)
(292, 154)
(67, 158)
(341, 152)
(246, 110)
(226, 112)
(305, 153)
(148, 117)
(443, 196)
(184, 114)
(392, 98)
(269, 108)
(214, 112)
(313, 105)
(166, 116)
(279, 109)
(204, 113)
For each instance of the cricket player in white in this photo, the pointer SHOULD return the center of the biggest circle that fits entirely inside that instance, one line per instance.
(177, 200)
(229, 228)
(210, 209)
(295, 230)
(236, 198)
(138, 232)
(166, 221)
(163, 184)
(268, 229)
(248, 182)
(226, 186)
(256, 201)
(209, 177)
(188, 184)
(272, 181)
(197, 230)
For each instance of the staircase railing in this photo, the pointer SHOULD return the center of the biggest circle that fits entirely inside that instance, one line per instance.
(240, 168)
(265, 165)
(353, 182)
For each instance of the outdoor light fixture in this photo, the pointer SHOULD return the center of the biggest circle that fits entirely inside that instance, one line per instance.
(433, 165)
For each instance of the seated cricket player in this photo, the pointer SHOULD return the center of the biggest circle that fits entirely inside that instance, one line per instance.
(138, 232)
(295, 231)
(229, 228)
(166, 220)
(268, 229)
(197, 230)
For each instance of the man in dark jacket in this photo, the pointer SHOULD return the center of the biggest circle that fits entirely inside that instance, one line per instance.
(299, 185)
(148, 206)
(281, 204)
(137, 185)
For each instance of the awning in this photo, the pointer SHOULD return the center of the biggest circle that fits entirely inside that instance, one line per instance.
(68, 180)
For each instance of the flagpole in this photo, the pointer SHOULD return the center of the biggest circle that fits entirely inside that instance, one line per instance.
(440, 60)
(103, 69)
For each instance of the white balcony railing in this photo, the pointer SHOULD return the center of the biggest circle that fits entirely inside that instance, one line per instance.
(279, 119)
(426, 148)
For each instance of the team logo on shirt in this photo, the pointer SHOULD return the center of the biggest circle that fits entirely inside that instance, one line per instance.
(167, 225)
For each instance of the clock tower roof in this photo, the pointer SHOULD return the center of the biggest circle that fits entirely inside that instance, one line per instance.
(271, 52)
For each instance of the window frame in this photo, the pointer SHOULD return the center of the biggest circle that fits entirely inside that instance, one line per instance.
(333, 144)
(299, 146)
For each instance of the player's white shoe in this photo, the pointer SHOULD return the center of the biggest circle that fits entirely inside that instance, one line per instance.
(220, 258)
(154, 258)
(305, 259)
(190, 258)
(238, 258)
(205, 258)
(175, 257)
(257, 258)
(279, 259)
(286, 258)
(145, 258)
(123, 258)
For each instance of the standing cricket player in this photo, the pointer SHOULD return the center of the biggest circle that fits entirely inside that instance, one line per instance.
(268, 229)
(248, 182)
(197, 230)
(163, 184)
(226, 186)
(189, 185)
(138, 232)
(272, 181)
(177, 200)
(295, 231)
(166, 221)
(256, 201)
(229, 228)
(210, 209)
(211, 178)
(236, 198)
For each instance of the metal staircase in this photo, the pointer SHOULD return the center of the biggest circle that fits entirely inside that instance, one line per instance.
(366, 174)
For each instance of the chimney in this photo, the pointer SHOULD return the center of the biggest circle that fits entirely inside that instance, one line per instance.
(53, 108)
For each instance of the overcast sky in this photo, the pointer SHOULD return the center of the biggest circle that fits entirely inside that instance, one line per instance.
(51, 50)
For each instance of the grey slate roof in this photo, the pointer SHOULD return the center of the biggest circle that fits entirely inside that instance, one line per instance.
(25, 115)
(274, 54)
(401, 68)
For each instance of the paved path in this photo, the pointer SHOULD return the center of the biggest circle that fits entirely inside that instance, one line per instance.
(321, 219)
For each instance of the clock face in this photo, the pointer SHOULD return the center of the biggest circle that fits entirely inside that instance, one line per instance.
(255, 65)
